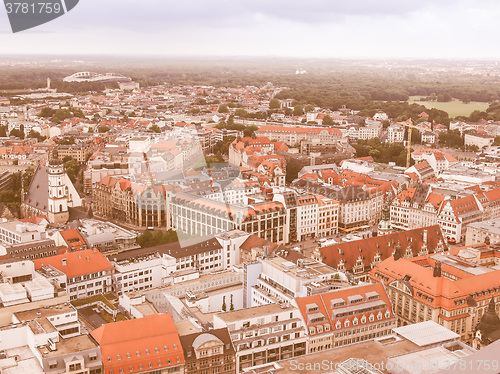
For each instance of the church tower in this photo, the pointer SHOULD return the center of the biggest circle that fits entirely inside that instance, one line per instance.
(488, 329)
(58, 192)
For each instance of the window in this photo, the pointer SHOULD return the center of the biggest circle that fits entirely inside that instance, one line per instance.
(75, 367)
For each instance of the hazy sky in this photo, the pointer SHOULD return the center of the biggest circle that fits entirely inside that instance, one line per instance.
(312, 28)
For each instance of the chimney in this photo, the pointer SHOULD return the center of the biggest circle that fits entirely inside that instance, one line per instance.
(88, 258)
(425, 237)
(63, 261)
(437, 270)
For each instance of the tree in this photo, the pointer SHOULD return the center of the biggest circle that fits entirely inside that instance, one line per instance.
(155, 128)
(223, 109)
(250, 130)
(240, 112)
(274, 104)
(8, 197)
(46, 112)
(497, 140)
(67, 141)
(224, 308)
(328, 121)
(298, 110)
(444, 97)
(148, 239)
(381, 152)
(36, 135)
(222, 146)
(308, 108)
(231, 306)
(17, 133)
(145, 239)
(28, 176)
(451, 139)
(72, 168)
(103, 129)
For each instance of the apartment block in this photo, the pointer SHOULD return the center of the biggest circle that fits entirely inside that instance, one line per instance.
(264, 334)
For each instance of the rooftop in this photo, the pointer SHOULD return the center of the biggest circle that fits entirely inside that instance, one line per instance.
(256, 311)
(371, 351)
(44, 312)
(426, 333)
(306, 268)
(69, 345)
(77, 263)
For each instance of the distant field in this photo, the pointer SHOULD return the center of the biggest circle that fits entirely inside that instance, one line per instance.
(454, 108)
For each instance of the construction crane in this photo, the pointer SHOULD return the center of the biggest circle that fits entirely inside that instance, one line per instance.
(409, 123)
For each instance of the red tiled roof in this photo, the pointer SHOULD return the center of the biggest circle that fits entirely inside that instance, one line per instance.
(464, 205)
(73, 238)
(444, 291)
(139, 345)
(323, 304)
(35, 219)
(77, 263)
(367, 249)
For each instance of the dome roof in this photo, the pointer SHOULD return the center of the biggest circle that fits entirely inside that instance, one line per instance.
(489, 321)
(203, 338)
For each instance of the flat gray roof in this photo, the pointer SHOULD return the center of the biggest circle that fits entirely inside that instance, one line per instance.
(426, 333)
